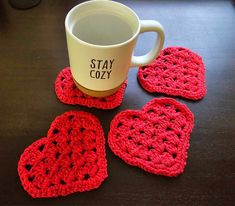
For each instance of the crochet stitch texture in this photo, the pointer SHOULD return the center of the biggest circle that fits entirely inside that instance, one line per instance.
(68, 93)
(177, 71)
(70, 159)
(155, 138)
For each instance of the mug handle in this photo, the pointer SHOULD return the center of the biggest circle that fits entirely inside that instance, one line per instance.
(147, 26)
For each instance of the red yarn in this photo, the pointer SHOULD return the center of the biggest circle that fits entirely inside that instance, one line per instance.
(156, 138)
(70, 159)
(68, 93)
(177, 71)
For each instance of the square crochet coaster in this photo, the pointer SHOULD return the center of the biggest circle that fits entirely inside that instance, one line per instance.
(68, 93)
(155, 138)
(177, 71)
(70, 159)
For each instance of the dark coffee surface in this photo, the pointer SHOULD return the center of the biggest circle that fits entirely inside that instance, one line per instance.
(33, 52)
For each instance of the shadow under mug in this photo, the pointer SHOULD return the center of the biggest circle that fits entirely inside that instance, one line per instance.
(101, 36)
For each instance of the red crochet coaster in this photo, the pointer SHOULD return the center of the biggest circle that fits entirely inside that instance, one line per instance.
(70, 159)
(155, 138)
(177, 71)
(68, 93)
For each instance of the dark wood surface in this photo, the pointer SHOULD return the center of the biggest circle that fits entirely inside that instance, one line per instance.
(33, 51)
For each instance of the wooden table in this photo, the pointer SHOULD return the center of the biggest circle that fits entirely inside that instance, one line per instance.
(33, 51)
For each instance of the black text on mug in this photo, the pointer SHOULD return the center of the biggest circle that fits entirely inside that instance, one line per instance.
(101, 69)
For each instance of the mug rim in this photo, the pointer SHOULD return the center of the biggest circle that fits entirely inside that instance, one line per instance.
(97, 45)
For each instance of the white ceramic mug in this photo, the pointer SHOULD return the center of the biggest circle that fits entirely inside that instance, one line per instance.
(101, 36)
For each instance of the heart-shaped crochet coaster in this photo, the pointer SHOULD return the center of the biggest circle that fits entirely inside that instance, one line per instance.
(156, 138)
(177, 71)
(68, 93)
(70, 159)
